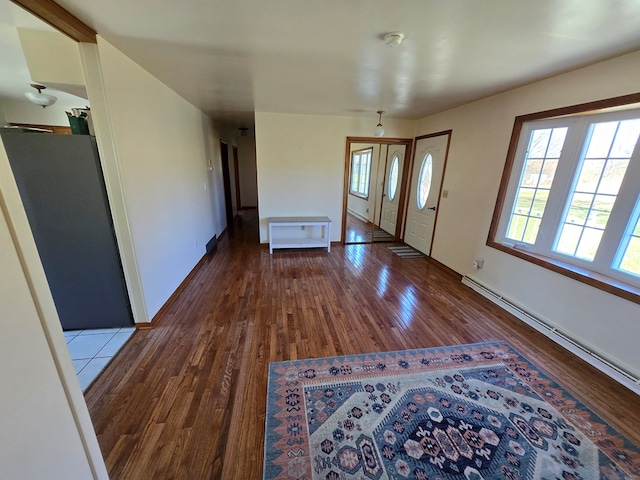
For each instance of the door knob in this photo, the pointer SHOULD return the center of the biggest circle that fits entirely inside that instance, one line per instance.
(432, 208)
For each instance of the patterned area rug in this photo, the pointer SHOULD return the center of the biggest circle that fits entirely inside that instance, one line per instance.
(470, 412)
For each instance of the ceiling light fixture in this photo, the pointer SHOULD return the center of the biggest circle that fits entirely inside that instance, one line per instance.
(379, 130)
(393, 39)
(42, 99)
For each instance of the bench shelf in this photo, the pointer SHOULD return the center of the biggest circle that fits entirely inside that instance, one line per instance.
(276, 241)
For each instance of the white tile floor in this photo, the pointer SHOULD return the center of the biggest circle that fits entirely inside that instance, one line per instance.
(92, 350)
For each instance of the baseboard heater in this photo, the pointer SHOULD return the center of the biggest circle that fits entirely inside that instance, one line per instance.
(606, 366)
(211, 244)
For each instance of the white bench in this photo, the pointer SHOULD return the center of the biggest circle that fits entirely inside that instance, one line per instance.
(298, 241)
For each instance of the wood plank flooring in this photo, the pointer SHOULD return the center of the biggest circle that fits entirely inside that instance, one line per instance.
(186, 399)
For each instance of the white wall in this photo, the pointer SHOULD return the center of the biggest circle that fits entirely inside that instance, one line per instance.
(46, 430)
(162, 144)
(16, 111)
(481, 133)
(52, 57)
(246, 171)
(300, 161)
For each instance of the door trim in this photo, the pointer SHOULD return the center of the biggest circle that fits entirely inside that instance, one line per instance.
(449, 133)
(407, 142)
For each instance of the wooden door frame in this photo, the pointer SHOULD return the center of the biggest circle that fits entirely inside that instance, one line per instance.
(408, 142)
(449, 134)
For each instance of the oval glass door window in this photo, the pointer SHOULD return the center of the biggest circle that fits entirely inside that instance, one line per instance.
(393, 177)
(424, 180)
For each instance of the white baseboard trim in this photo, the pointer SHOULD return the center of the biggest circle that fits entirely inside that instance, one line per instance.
(608, 367)
(357, 215)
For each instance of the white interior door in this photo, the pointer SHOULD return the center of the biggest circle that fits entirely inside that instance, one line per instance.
(392, 187)
(426, 177)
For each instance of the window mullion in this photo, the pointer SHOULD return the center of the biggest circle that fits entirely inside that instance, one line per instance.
(620, 214)
(562, 184)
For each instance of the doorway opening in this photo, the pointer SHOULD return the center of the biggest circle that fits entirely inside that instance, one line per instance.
(425, 190)
(375, 187)
(226, 179)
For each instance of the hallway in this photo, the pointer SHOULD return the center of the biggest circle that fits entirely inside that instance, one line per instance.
(186, 398)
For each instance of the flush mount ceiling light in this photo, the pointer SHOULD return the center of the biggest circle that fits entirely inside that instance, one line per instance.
(42, 99)
(393, 39)
(379, 130)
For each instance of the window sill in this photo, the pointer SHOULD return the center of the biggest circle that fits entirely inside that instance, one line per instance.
(359, 196)
(596, 280)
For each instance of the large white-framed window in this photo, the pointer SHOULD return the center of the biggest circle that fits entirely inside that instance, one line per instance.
(570, 196)
(360, 172)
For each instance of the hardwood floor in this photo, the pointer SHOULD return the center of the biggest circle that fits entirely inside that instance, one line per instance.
(186, 399)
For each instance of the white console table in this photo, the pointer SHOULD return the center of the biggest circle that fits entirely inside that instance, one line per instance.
(283, 242)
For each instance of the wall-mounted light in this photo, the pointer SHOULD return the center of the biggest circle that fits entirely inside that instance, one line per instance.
(42, 99)
(379, 130)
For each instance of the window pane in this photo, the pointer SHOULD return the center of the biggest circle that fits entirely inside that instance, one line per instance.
(631, 259)
(569, 239)
(531, 231)
(524, 201)
(579, 208)
(590, 176)
(531, 173)
(588, 245)
(612, 176)
(548, 171)
(393, 177)
(601, 139)
(424, 181)
(600, 211)
(539, 143)
(360, 172)
(516, 227)
(540, 201)
(355, 172)
(556, 143)
(363, 178)
(626, 139)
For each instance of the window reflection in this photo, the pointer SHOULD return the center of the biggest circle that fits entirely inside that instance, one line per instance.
(408, 301)
(355, 254)
(383, 280)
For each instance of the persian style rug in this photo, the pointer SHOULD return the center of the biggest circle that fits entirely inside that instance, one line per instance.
(470, 412)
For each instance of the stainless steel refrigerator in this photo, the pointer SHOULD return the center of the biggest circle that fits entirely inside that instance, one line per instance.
(62, 188)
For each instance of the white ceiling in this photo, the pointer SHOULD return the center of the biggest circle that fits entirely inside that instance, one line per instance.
(233, 57)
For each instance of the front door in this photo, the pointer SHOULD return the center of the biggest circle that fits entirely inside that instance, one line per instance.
(426, 178)
(392, 184)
